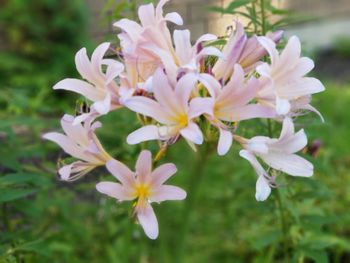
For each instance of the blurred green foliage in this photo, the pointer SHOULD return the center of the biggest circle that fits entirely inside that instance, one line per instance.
(40, 38)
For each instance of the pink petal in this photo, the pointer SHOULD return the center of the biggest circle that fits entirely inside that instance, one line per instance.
(148, 221)
(212, 85)
(147, 107)
(114, 69)
(80, 87)
(69, 146)
(144, 165)
(291, 52)
(184, 88)
(174, 18)
(167, 192)
(97, 56)
(74, 131)
(183, 47)
(250, 111)
(147, 15)
(161, 174)
(116, 191)
(146, 133)
(225, 141)
(291, 164)
(254, 162)
(270, 46)
(163, 92)
(192, 133)
(200, 106)
(121, 172)
(132, 29)
(301, 87)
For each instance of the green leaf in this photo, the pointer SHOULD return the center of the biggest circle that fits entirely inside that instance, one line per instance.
(236, 4)
(7, 195)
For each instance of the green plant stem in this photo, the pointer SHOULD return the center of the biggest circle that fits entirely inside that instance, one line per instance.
(196, 178)
(263, 17)
(284, 226)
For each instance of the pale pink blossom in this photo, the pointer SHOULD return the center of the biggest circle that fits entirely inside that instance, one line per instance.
(242, 50)
(171, 109)
(153, 31)
(80, 142)
(230, 103)
(100, 86)
(278, 154)
(144, 185)
(187, 58)
(284, 77)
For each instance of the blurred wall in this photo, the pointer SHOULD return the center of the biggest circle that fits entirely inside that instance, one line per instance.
(329, 19)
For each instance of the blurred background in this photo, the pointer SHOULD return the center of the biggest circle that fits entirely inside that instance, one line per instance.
(45, 220)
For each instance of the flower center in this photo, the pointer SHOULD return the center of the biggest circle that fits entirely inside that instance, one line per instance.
(142, 191)
(182, 120)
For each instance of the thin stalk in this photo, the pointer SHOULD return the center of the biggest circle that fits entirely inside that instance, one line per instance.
(186, 219)
(263, 17)
(284, 225)
(5, 217)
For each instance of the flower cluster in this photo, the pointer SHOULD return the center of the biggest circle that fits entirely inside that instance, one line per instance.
(183, 88)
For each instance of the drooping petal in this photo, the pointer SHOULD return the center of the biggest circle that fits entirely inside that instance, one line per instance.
(174, 18)
(97, 57)
(167, 192)
(263, 189)
(291, 164)
(115, 190)
(192, 133)
(148, 221)
(146, 133)
(225, 141)
(270, 46)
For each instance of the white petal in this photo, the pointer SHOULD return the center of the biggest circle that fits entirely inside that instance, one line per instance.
(291, 164)
(146, 133)
(81, 87)
(263, 189)
(282, 106)
(225, 142)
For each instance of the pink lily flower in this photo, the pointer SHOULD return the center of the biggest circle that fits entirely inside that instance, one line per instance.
(153, 30)
(80, 142)
(284, 77)
(242, 50)
(278, 154)
(171, 109)
(144, 185)
(230, 103)
(187, 58)
(100, 86)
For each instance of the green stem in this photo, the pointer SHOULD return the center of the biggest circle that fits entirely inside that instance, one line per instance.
(263, 17)
(284, 225)
(186, 219)
(5, 217)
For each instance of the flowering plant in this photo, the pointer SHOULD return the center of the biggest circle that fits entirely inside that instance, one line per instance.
(200, 93)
